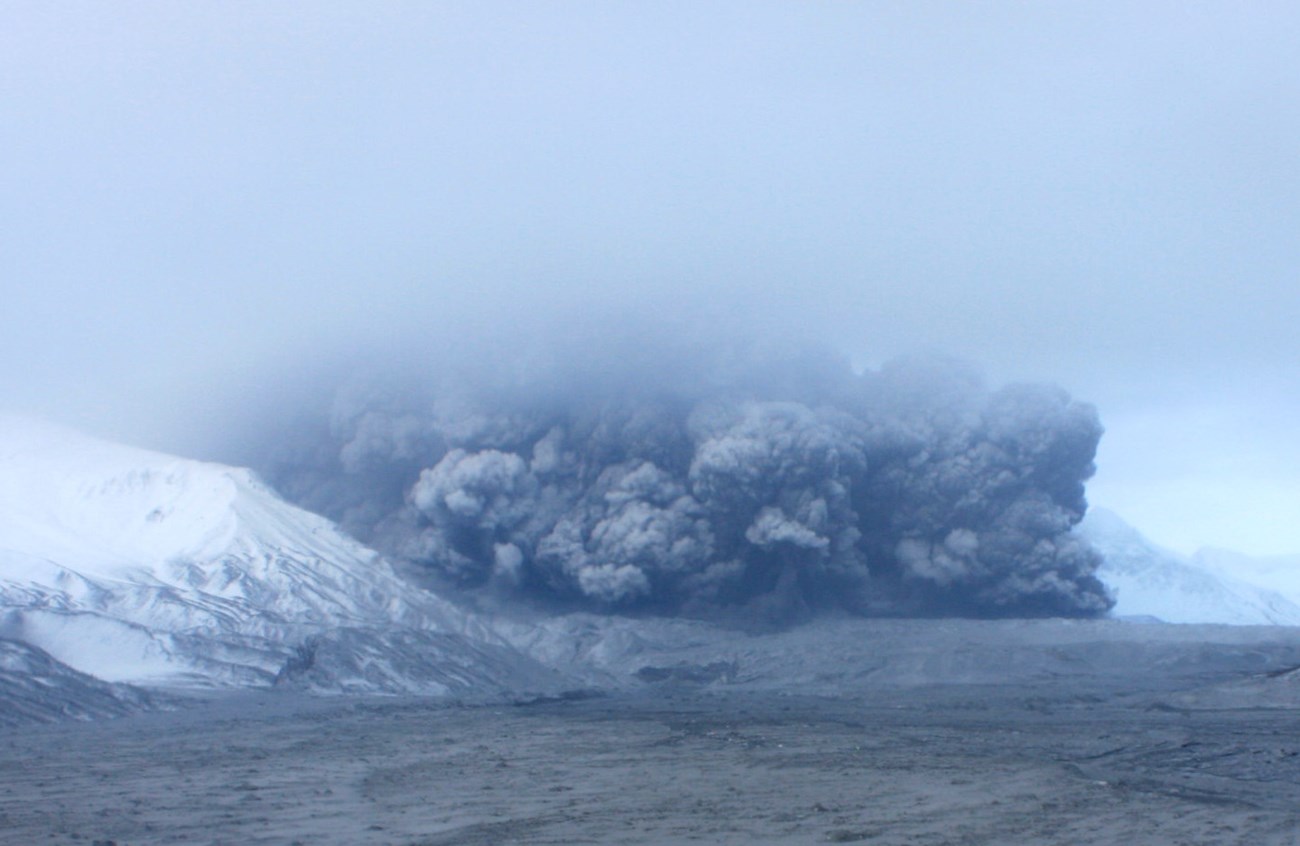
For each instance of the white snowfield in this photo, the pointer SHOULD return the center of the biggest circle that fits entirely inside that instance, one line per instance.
(131, 565)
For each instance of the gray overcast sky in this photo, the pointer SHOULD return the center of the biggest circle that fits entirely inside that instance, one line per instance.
(1106, 195)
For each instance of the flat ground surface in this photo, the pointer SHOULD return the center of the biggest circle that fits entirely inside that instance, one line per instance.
(941, 765)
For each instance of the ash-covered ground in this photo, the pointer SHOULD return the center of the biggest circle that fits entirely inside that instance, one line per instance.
(1193, 738)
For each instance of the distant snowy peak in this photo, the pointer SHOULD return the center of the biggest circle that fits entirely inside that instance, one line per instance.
(1278, 573)
(133, 565)
(1153, 582)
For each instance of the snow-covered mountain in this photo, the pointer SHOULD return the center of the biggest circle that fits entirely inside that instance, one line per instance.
(131, 565)
(1153, 582)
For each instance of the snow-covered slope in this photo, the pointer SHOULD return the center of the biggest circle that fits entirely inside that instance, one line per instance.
(1152, 582)
(135, 566)
(35, 688)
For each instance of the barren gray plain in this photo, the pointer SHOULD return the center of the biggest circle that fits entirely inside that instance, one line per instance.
(1059, 762)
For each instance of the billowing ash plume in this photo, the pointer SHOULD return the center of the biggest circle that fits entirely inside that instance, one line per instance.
(768, 486)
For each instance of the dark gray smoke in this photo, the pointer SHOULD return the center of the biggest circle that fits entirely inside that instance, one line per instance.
(708, 483)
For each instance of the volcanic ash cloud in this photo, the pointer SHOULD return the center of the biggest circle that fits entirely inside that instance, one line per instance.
(763, 487)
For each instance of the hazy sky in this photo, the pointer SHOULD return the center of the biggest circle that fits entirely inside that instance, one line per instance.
(1106, 195)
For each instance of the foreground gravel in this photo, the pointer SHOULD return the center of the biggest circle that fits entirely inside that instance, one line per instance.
(962, 764)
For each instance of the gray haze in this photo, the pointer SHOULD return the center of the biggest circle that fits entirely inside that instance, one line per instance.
(210, 208)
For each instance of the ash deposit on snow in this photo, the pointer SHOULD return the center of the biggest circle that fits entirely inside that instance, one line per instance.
(643, 477)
